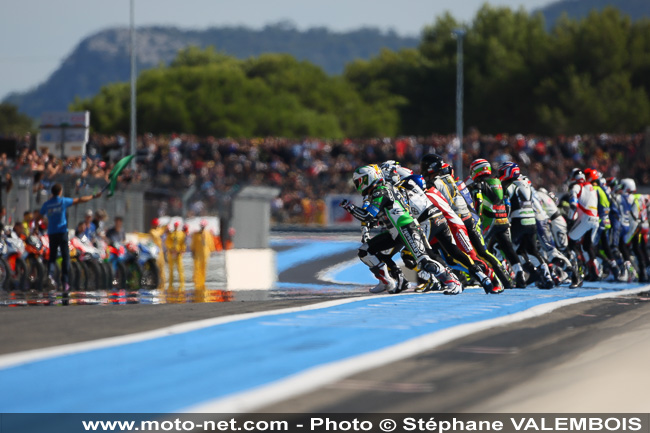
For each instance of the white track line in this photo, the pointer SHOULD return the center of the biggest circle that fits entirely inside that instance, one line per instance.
(327, 274)
(318, 377)
(19, 358)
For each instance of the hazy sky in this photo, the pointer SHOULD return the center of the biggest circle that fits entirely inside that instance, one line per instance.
(36, 35)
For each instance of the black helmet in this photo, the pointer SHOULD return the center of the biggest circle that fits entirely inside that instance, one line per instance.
(433, 165)
(613, 183)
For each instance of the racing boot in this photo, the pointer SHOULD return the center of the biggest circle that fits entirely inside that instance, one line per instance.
(432, 285)
(631, 270)
(593, 271)
(386, 282)
(614, 269)
(545, 280)
(401, 282)
(505, 280)
(558, 274)
(423, 281)
(452, 285)
(485, 281)
(576, 278)
(381, 287)
(449, 282)
(520, 278)
(497, 286)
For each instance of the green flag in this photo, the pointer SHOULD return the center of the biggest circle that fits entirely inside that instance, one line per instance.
(115, 172)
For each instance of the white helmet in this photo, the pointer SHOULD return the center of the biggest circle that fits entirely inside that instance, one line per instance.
(628, 185)
(389, 171)
(577, 176)
(404, 172)
(388, 164)
(366, 177)
(393, 172)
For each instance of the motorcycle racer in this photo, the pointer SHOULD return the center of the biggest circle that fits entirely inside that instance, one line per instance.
(522, 216)
(487, 193)
(430, 216)
(384, 205)
(437, 174)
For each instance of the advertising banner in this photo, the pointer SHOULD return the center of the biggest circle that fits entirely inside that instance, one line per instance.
(63, 133)
(337, 216)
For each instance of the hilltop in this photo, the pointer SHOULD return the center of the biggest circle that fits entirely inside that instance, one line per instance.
(578, 9)
(103, 58)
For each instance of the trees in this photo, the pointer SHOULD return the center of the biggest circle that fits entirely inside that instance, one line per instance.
(594, 79)
(209, 93)
(12, 121)
(419, 82)
(584, 76)
(505, 57)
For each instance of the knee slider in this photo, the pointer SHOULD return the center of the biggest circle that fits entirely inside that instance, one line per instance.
(433, 267)
(369, 259)
(408, 259)
(363, 251)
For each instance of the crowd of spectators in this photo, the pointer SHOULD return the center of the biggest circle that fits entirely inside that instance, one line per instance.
(306, 170)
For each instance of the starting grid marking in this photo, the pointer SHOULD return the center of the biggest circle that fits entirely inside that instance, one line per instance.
(243, 362)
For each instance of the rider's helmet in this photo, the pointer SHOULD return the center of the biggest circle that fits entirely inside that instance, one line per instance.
(577, 176)
(628, 186)
(433, 166)
(393, 172)
(592, 175)
(508, 171)
(480, 168)
(419, 181)
(367, 177)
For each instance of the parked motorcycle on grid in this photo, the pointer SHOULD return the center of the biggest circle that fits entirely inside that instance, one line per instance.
(88, 259)
(34, 252)
(4, 267)
(13, 255)
(141, 265)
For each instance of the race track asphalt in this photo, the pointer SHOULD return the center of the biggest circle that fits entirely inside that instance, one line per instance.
(561, 361)
(27, 328)
(589, 357)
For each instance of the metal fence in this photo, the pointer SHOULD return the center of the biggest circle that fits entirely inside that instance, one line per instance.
(29, 194)
(137, 203)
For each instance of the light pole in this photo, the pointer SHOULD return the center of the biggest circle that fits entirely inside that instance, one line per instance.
(133, 83)
(460, 35)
